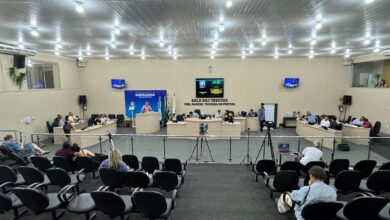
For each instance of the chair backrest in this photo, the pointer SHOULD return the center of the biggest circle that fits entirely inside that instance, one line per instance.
(42, 163)
(5, 203)
(49, 128)
(379, 181)
(131, 161)
(364, 208)
(314, 163)
(150, 203)
(87, 163)
(365, 167)
(291, 165)
(348, 119)
(33, 199)
(338, 165)
(377, 127)
(321, 210)
(111, 116)
(58, 176)
(150, 164)
(31, 175)
(7, 174)
(64, 163)
(268, 166)
(166, 180)
(136, 179)
(111, 178)
(108, 202)
(174, 165)
(120, 117)
(19, 159)
(348, 181)
(385, 166)
(286, 180)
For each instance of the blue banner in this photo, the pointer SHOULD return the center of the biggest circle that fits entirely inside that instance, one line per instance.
(135, 99)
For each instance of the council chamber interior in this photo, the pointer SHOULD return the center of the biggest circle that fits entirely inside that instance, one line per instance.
(196, 109)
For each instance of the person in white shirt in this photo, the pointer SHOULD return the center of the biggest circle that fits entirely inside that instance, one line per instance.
(71, 118)
(218, 114)
(311, 153)
(358, 121)
(325, 122)
(104, 119)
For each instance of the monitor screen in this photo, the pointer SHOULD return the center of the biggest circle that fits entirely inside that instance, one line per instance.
(209, 88)
(291, 82)
(118, 83)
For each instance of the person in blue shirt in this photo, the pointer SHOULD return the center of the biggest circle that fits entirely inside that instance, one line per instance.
(57, 121)
(21, 148)
(316, 191)
(115, 162)
(311, 119)
(261, 115)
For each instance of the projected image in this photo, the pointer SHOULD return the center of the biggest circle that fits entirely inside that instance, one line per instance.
(118, 83)
(291, 82)
(209, 88)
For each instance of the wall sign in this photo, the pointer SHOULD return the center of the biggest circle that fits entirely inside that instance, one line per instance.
(209, 102)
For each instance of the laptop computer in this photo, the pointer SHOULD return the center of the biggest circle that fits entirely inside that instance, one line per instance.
(284, 147)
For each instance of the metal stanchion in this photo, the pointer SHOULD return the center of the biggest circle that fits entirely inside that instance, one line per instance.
(164, 140)
(38, 140)
(132, 144)
(369, 148)
(334, 148)
(230, 151)
(299, 144)
(322, 144)
(100, 144)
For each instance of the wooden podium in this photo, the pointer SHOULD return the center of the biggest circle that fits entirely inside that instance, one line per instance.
(147, 123)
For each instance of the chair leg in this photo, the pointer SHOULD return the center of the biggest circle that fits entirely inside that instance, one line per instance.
(257, 177)
(54, 215)
(89, 216)
(17, 214)
(272, 194)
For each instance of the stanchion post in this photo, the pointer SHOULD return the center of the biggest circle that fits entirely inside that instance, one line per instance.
(164, 140)
(38, 140)
(334, 148)
(100, 144)
(369, 148)
(299, 144)
(132, 144)
(230, 150)
(322, 144)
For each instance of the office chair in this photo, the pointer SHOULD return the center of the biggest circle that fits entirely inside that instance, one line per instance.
(60, 177)
(385, 166)
(338, 165)
(12, 155)
(321, 210)
(33, 175)
(264, 167)
(111, 178)
(137, 179)
(167, 180)
(348, 181)
(153, 205)
(283, 181)
(378, 182)
(349, 119)
(42, 163)
(64, 163)
(175, 165)
(375, 130)
(365, 167)
(11, 201)
(113, 204)
(131, 161)
(150, 164)
(292, 165)
(111, 116)
(307, 167)
(120, 120)
(88, 165)
(9, 178)
(362, 208)
(50, 130)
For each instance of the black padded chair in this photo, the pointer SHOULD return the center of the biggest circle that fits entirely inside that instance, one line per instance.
(137, 179)
(60, 177)
(338, 165)
(307, 167)
(385, 166)
(12, 155)
(362, 208)
(39, 202)
(264, 167)
(113, 204)
(131, 161)
(111, 178)
(376, 129)
(175, 165)
(378, 182)
(167, 180)
(321, 210)
(365, 167)
(283, 181)
(292, 165)
(120, 120)
(42, 163)
(33, 175)
(9, 178)
(50, 130)
(150, 164)
(111, 116)
(153, 205)
(11, 202)
(64, 163)
(348, 181)
(88, 165)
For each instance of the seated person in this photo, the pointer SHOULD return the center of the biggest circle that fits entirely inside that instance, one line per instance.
(98, 120)
(218, 114)
(68, 128)
(71, 118)
(381, 84)
(104, 119)
(190, 115)
(66, 151)
(325, 122)
(358, 121)
(21, 148)
(316, 191)
(115, 162)
(172, 117)
(310, 154)
(78, 152)
(180, 117)
(334, 124)
(230, 118)
(366, 123)
(311, 119)
(251, 113)
(57, 122)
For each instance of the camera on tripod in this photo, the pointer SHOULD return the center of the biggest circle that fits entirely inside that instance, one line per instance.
(203, 128)
(269, 124)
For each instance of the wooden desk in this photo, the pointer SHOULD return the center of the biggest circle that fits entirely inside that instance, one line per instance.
(86, 141)
(289, 122)
(304, 129)
(252, 123)
(354, 131)
(242, 121)
(59, 135)
(147, 123)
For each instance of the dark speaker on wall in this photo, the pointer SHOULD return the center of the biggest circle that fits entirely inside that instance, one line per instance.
(19, 61)
(347, 100)
(82, 99)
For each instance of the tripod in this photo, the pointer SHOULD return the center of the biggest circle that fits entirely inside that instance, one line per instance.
(247, 156)
(111, 147)
(268, 139)
(202, 139)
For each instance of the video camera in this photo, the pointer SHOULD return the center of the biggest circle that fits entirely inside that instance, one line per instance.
(269, 124)
(203, 128)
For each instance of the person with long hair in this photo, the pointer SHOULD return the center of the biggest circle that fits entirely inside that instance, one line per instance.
(115, 162)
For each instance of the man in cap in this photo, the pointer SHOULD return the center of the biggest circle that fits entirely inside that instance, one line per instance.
(316, 191)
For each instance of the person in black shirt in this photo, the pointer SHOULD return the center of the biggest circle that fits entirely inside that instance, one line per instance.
(57, 121)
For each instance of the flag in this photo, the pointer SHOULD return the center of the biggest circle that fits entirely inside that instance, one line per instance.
(174, 104)
(159, 107)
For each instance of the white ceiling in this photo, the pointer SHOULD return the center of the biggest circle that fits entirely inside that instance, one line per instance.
(189, 27)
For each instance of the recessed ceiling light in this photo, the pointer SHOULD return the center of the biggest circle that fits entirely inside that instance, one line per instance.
(221, 28)
(57, 53)
(89, 53)
(212, 52)
(276, 57)
(376, 50)
(311, 56)
(347, 55)
(143, 57)
(175, 57)
(107, 58)
(369, 1)
(251, 51)
(333, 51)
(229, 4)
(289, 51)
(318, 25)
(58, 46)
(162, 43)
(79, 7)
(131, 52)
(243, 57)
(21, 45)
(117, 31)
(211, 57)
(263, 43)
(81, 58)
(34, 32)
(313, 42)
(367, 41)
(113, 45)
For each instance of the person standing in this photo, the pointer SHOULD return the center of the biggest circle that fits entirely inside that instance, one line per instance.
(261, 115)
(146, 108)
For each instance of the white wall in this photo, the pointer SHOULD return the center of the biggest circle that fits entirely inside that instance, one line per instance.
(44, 104)
(247, 82)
